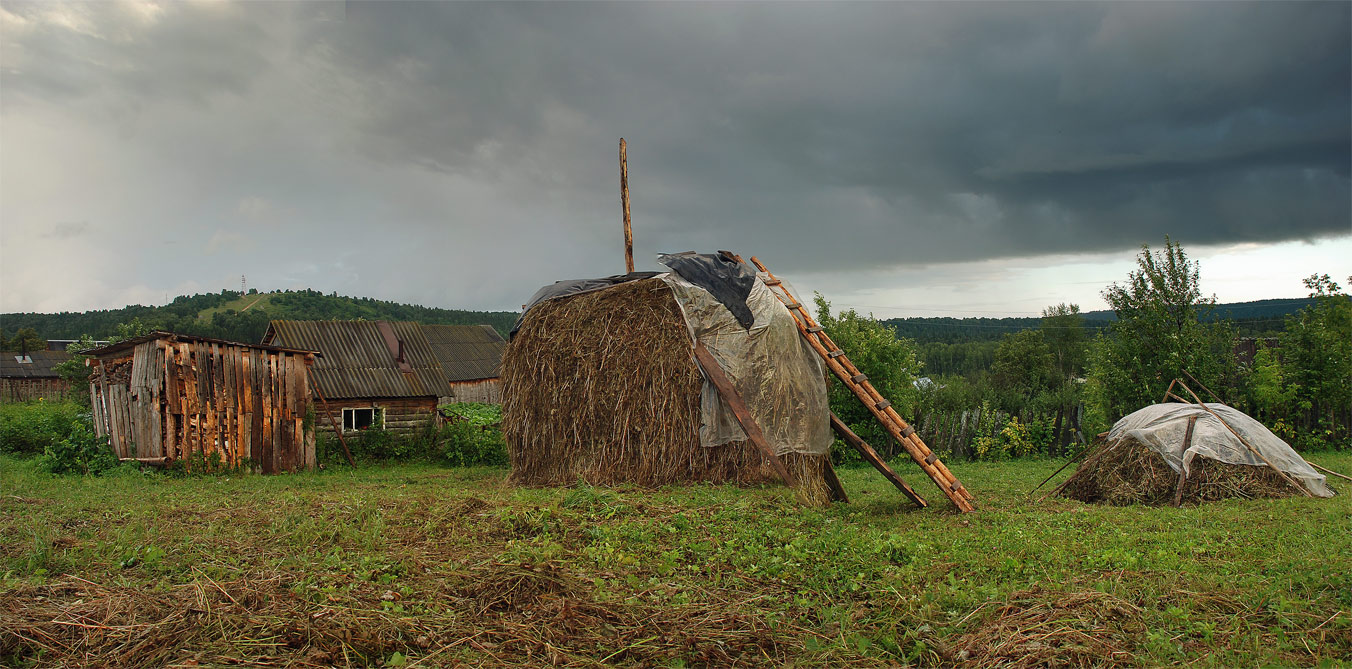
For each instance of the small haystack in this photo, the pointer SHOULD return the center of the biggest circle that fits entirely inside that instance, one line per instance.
(1175, 453)
(600, 385)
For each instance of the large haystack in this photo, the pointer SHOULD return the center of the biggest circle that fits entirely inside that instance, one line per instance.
(601, 387)
(1140, 461)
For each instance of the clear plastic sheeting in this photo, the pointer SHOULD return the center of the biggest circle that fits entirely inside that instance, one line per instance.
(1163, 428)
(772, 368)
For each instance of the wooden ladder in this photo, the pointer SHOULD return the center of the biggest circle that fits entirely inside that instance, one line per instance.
(858, 384)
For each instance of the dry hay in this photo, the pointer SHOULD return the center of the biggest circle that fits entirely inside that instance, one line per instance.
(495, 614)
(1127, 472)
(1043, 629)
(602, 387)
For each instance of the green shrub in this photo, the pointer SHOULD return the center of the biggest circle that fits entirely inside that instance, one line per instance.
(80, 452)
(28, 428)
(464, 444)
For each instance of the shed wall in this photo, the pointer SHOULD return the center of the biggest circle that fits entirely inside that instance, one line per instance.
(402, 414)
(195, 399)
(482, 390)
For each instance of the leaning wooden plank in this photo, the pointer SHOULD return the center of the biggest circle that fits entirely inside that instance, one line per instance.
(871, 456)
(833, 482)
(1183, 473)
(723, 385)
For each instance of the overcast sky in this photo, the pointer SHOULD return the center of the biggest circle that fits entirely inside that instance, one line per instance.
(906, 159)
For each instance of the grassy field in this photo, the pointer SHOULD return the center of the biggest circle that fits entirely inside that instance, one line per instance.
(423, 566)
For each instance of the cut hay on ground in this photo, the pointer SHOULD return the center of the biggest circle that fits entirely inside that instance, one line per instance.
(602, 387)
(1126, 472)
(1037, 628)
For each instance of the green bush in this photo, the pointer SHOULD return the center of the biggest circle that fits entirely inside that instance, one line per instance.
(28, 428)
(467, 445)
(80, 452)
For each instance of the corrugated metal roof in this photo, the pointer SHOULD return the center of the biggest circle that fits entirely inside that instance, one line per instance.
(128, 344)
(356, 362)
(466, 352)
(40, 367)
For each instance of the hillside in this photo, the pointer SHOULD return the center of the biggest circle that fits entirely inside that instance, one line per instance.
(243, 317)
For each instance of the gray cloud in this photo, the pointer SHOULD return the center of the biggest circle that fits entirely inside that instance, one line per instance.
(460, 154)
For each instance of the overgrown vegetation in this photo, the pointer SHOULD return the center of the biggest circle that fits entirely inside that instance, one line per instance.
(469, 436)
(416, 564)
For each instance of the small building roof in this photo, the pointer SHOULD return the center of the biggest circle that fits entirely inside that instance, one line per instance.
(128, 344)
(466, 352)
(365, 358)
(31, 365)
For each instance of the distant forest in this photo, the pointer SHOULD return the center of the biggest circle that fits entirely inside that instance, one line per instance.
(242, 317)
(966, 345)
(947, 345)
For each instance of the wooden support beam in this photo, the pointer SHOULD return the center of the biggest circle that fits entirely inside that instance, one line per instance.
(337, 429)
(723, 385)
(871, 456)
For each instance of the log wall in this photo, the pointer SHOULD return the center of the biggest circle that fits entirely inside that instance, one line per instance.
(185, 399)
(403, 415)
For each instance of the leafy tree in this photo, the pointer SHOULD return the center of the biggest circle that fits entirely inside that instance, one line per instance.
(26, 339)
(1025, 366)
(1159, 333)
(1063, 329)
(1317, 352)
(890, 363)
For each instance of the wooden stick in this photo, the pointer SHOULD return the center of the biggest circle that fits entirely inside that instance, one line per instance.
(872, 457)
(1330, 471)
(624, 202)
(1199, 385)
(1069, 462)
(1244, 441)
(723, 384)
(328, 413)
(833, 482)
(1182, 472)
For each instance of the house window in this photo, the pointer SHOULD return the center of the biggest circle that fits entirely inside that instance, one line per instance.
(363, 418)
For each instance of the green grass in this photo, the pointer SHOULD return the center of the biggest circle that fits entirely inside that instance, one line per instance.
(258, 301)
(432, 566)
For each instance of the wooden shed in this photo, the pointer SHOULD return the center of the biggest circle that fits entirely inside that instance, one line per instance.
(471, 357)
(31, 375)
(164, 397)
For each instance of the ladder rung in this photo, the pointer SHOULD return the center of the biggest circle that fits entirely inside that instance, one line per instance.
(835, 354)
(859, 378)
(931, 458)
(815, 329)
(794, 305)
(773, 282)
(910, 430)
(957, 485)
(882, 404)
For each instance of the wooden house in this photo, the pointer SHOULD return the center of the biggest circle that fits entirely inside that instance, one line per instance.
(392, 375)
(31, 375)
(471, 357)
(370, 373)
(164, 397)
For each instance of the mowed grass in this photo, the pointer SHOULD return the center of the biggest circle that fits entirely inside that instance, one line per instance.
(426, 566)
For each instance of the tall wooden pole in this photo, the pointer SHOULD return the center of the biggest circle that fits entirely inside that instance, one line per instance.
(624, 202)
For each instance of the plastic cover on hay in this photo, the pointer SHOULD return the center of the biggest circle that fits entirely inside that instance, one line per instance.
(1163, 427)
(782, 381)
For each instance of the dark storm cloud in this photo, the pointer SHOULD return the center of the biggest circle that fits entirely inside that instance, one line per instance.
(820, 135)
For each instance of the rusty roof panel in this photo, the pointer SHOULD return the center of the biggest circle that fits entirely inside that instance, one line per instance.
(466, 352)
(356, 361)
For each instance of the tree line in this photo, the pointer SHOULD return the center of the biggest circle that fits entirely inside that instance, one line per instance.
(207, 315)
